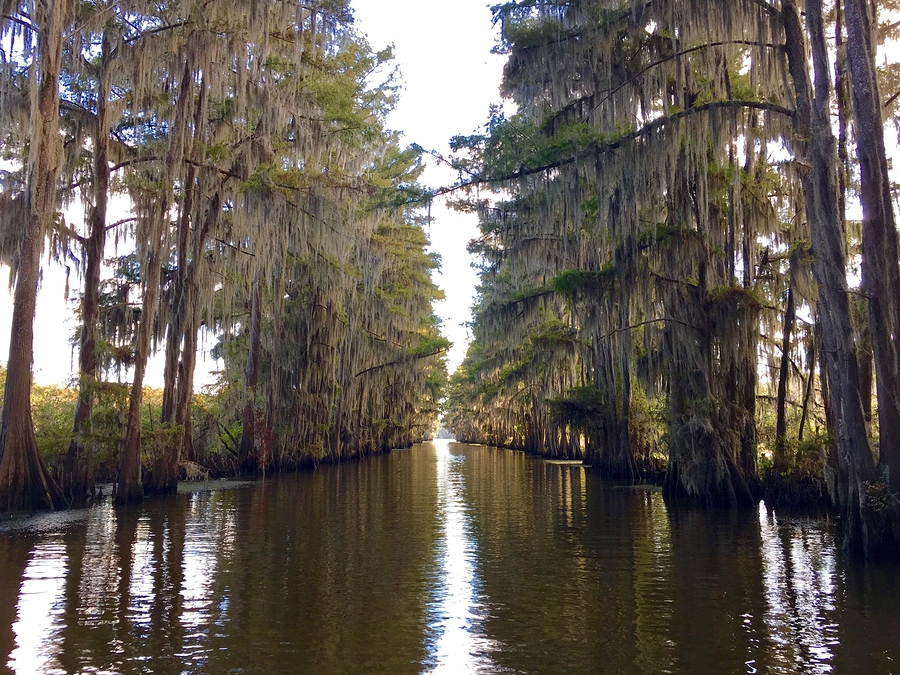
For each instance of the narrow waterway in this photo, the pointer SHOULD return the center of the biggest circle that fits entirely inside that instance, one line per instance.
(447, 558)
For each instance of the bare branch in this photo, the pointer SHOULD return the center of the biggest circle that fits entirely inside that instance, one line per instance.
(646, 323)
(232, 246)
(22, 22)
(601, 147)
(403, 360)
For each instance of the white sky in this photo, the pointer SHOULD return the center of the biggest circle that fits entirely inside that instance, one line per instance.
(450, 78)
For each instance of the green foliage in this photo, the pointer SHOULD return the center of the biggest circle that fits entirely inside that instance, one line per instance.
(395, 177)
(552, 333)
(429, 345)
(575, 284)
(518, 145)
(581, 406)
(879, 496)
(53, 414)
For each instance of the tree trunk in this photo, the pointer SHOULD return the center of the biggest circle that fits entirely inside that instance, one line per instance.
(25, 482)
(186, 381)
(780, 459)
(170, 365)
(749, 464)
(78, 479)
(183, 402)
(162, 475)
(630, 470)
(819, 177)
(880, 271)
(246, 451)
(704, 432)
(129, 489)
(811, 360)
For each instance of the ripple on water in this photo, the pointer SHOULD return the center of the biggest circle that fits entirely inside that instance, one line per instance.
(443, 559)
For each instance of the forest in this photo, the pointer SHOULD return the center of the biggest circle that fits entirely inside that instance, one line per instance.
(265, 203)
(688, 252)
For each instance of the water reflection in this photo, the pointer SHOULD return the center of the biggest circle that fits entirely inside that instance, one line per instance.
(460, 645)
(38, 607)
(654, 603)
(799, 569)
(446, 558)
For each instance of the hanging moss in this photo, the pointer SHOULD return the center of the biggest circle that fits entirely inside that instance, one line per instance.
(581, 406)
(623, 194)
(573, 284)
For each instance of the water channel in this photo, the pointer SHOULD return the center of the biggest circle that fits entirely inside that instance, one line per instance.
(446, 558)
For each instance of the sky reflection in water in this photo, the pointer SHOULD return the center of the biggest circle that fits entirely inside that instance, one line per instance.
(460, 645)
(444, 559)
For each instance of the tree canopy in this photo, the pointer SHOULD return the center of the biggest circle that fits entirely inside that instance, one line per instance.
(665, 201)
(269, 206)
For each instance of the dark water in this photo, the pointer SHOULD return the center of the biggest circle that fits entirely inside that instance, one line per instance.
(441, 559)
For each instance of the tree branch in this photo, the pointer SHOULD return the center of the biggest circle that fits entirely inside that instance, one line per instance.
(603, 147)
(22, 22)
(116, 224)
(403, 360)
(646, 323)
(683, 52)
(160, 29)
(232, 246)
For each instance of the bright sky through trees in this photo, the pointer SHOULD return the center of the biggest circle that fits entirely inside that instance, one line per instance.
(449, 79)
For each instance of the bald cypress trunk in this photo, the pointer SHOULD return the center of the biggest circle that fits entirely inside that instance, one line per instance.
(162, 475)
(186, 380)
(880, 271)
(78, 478)
(188, 365)
(25, 482)
(247, 458)
(129, 488)
(780, 458)
(815, 146)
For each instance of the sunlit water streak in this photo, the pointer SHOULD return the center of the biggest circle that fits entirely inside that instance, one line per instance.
(456, 613)
(39, 605)
(447, 558)
(207, 532)
(800, 579)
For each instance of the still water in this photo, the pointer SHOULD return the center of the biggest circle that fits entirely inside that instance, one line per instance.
(447, 558)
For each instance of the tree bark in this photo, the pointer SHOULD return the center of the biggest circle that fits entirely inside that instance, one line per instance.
(811, 360)
(129, 489)
(814, 145)
(183, 402)
(170, 365)
(880, 271)
(162, 476)
(780, 459)
(25, 482)
(246, 450)
(186, 379)
(78, 479)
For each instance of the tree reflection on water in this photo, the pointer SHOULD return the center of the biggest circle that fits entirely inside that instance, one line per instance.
(447, 558)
